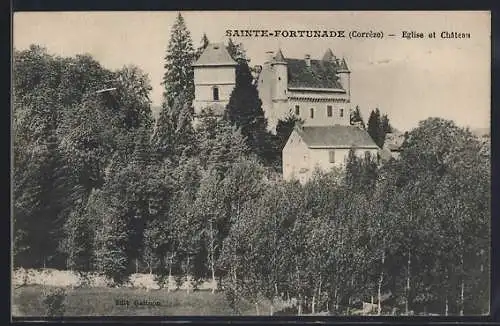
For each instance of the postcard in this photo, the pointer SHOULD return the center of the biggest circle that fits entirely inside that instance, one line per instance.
(244, 163)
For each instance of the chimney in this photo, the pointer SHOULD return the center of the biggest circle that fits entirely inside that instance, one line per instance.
(269, 56)
(307, 58)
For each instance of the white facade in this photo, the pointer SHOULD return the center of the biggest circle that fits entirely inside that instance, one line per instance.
(328, 107)
(209, 78)
(214, 79)
(301, 159)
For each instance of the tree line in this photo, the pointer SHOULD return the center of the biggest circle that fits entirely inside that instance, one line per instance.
(101, 186)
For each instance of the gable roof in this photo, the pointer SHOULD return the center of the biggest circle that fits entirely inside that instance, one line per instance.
(321, 74)
(336, 136)
(215, 55)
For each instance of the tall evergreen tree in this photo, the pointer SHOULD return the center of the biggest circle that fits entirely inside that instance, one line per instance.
(356, 118)
(378, 127)
(178, 78)
(375, 128)
(245, 111)
(111, 238)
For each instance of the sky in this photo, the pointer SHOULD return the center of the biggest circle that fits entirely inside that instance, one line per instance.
(410, 80)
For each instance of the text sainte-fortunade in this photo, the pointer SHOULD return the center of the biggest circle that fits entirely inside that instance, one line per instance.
(353, 34)
(137, 302)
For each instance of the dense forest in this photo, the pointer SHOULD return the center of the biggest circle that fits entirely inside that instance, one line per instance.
(100, 185)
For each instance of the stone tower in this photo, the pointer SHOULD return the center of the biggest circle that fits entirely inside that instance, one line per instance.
(214, 80)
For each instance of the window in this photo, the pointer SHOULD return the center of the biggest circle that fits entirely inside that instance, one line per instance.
(297, 110)
(332, 156)
(216, 93)
(279, 78)
(312, 113)
(341, 113)
(329, 111)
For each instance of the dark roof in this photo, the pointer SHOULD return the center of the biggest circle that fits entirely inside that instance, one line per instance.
(215, 55)
(336, 136)
(321, 74)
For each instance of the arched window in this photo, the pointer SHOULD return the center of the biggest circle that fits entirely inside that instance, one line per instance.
(216, 93)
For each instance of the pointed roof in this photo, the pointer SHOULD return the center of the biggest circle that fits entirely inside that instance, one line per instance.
(329, 56)
(279, 56)
(343, 66)
(215, 55)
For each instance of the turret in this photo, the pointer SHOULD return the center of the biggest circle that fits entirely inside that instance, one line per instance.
(329, 56)
(281, 77)
(269, 57)
(345, 77)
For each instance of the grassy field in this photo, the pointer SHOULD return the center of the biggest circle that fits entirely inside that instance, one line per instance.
(28, 301)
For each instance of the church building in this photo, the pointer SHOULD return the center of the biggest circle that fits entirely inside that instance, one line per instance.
(214, 80)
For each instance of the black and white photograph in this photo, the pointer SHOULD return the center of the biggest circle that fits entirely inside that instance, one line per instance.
(251, 163)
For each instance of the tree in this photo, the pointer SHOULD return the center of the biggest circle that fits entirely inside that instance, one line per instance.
(356, 118)
(245, 111)
(178, 78)
(203, 45)
(369, 173)
(209, 209)
(236, 51)
(385, 125)
(374, 129)
(378, 127)
(174, 136)
(132, 95)
(439, 153)
(44, 186)
(77, 241)
(111, 239)
(353, 170)
(88, 141)
(220, 144)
